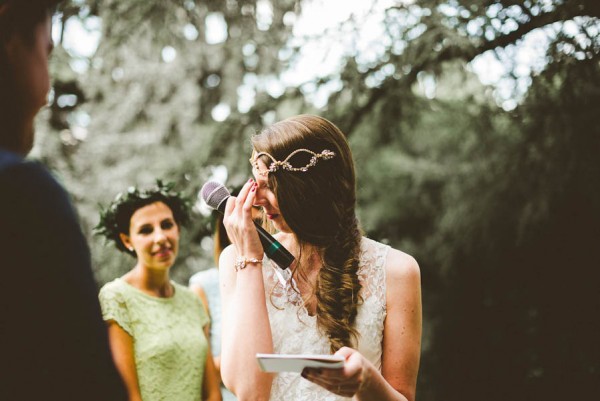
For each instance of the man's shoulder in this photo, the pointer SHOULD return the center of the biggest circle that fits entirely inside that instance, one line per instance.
(28, 186)
(8, 159)
(19, 173)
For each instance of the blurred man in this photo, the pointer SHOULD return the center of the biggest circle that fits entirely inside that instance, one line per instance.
(53, 342)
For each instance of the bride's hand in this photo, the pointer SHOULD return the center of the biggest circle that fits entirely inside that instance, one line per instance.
(346, 381)
(239, 225)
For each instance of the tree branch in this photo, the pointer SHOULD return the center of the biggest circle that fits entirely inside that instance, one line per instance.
(560, 13)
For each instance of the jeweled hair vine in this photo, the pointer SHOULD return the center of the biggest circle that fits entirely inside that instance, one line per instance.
(285, 164)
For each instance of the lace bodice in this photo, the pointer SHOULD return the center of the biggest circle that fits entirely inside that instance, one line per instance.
(294, 331)
(170, 348)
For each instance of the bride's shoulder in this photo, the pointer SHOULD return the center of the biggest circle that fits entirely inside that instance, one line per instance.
(398, 264)
(402, 270)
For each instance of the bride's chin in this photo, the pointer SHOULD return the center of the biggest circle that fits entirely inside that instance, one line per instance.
(282, 228)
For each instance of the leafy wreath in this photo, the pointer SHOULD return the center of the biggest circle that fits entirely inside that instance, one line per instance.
(115, 218)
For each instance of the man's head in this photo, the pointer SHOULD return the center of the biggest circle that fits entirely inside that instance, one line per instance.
(25, 44)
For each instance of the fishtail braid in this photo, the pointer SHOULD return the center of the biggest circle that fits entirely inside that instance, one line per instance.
(338, 286)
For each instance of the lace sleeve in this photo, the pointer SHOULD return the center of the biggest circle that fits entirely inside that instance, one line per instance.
(114, 307)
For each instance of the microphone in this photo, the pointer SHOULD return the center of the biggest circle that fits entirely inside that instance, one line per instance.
(215, 195)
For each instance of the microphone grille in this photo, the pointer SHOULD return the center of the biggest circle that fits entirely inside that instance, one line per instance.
(214, 193)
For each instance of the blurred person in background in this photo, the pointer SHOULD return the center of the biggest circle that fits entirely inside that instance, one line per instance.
(157, 328)
(53, 343)
(205, 284)
(345, 294)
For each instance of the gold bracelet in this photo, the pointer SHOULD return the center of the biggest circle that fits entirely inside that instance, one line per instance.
(241, 262)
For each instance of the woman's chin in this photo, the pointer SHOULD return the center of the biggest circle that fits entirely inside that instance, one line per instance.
(282, 227)
(164, 264)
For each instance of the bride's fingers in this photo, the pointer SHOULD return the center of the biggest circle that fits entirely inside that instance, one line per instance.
(247, 207)
(232, 211)
(229, 206)
(241, 198)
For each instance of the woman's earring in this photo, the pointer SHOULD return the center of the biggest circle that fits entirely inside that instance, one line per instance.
(130, 248)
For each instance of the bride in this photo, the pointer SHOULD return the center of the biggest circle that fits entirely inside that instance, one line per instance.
(345, 294)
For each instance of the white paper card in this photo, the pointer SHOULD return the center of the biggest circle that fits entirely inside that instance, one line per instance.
(295, 363)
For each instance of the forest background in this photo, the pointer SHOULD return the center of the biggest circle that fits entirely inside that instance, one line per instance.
(474, 125)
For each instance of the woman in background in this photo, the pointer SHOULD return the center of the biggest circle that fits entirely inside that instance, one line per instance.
(156, 326)
(205, 284)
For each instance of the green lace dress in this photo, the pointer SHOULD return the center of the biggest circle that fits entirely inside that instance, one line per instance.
(169, 345)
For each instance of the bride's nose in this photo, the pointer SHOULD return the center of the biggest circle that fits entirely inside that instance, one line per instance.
(259, 200)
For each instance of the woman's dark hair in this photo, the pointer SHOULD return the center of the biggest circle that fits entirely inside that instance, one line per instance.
(221, 239)
(115, 219)
(17, 17)
(319, 206)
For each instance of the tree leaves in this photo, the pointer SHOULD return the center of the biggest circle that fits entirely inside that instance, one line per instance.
(500, 207)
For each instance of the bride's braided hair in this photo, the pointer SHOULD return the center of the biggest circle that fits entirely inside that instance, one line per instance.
(338, 286)
(319, 207)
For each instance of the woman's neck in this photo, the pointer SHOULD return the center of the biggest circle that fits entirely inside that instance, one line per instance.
(152, 282)
(307, 265)
(303, 252)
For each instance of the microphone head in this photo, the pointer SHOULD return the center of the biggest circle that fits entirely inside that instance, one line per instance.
(214, 194)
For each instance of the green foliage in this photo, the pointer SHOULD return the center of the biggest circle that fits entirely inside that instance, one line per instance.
(520, 274)
(500, 206)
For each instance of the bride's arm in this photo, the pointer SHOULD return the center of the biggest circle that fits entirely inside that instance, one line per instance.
(401, 333)
(246, 329)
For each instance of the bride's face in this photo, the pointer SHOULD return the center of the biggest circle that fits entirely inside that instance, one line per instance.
(265, 198)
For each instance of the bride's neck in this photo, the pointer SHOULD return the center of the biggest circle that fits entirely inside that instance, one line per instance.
(308, 257)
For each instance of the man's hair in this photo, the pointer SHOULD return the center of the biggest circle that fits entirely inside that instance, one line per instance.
(22, 16)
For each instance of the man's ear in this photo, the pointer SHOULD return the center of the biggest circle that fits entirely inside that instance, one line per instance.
(126, 241)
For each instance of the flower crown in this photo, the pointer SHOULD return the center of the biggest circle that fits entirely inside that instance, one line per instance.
(116, 216)
(285, 164)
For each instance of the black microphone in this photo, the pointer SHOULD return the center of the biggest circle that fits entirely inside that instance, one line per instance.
(215, 195)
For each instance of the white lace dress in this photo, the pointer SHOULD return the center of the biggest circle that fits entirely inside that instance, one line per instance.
(295, 331)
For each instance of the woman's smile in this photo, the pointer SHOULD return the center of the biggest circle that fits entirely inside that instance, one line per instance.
(164, 252)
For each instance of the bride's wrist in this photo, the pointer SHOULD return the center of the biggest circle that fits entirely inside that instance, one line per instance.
(242, 262)
(368, 380)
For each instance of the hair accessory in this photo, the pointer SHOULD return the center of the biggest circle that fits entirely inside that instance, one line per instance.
(326, 154)
(115, 217)
(241, 262)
